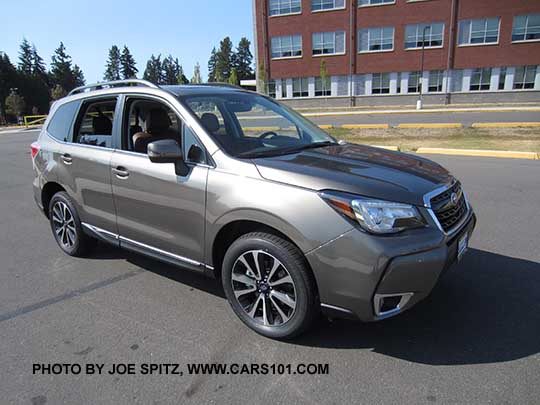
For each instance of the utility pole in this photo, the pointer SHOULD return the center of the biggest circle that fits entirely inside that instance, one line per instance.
(419, 102)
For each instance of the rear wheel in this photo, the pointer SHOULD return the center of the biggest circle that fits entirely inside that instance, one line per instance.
(66, 226)
(269, 286)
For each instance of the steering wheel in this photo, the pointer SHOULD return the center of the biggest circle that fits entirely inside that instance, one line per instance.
(266, 134)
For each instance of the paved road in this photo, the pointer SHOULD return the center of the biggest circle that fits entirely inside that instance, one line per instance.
(475, 340)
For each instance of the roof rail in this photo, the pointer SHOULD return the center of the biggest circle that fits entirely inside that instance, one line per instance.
(111, 84)
(216, 84)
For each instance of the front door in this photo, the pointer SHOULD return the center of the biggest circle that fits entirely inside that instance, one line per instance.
(158, 211)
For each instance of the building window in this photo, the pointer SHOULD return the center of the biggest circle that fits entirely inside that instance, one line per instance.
(300, 87)
(374, 2)
(524, 77)
(322, 87)
(480, 79)
(289, 46)
(380, 83)
(283, 88)
(415, 82)
(327, 43)
(502, 78)
(435, 81)
(376, 39)
(526, 28)
(482, 31)
(281, 7)
(414, 35)
(319, 5)
(272, 88)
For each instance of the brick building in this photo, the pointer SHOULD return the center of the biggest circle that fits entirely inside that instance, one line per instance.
(474, 50)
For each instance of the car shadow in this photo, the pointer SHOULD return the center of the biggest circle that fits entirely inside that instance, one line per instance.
(484, 310)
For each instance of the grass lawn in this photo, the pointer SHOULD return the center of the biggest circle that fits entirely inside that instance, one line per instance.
(513, 139)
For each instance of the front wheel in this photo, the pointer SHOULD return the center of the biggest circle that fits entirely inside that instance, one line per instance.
(269, 286)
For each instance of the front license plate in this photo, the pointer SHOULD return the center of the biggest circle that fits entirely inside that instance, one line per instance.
(463, 244)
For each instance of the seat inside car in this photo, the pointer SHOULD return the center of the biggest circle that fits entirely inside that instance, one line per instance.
(158, 126)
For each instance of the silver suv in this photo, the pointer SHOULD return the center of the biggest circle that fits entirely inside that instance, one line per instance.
(231, 183)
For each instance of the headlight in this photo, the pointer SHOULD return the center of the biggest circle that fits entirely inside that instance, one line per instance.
(376, 216)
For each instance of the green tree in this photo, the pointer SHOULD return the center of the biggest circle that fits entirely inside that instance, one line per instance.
(212, 65)
(243, 60)
(112, 68)
(62, 70)
(38, 65)
(128, 65)
(25, 58)
(8, 80)
(233, 78)
(196, 79)
(170, 70)
(58, 92)
(224, 59)
(15, 104)
(261, 79)
(78, 76)
(154, 70)
(323, 73)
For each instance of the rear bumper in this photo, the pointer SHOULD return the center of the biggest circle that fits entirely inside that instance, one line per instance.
(370, 278)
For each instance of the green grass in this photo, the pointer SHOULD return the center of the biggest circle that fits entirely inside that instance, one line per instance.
(515, 139)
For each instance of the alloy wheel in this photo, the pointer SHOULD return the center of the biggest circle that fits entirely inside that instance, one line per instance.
(264, 288)
(64, 225)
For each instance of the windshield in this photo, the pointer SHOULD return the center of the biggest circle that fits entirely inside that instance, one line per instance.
(248, 125)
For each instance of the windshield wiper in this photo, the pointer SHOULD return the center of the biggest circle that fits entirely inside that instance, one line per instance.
(286, 151)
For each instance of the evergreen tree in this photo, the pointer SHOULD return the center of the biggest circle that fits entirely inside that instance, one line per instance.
(61, 69)
(196, 79)
(243, 60)
(8, 79)
(154, 70)
(112, 68)
(233, 78)
(170, 73)
(224, 58)
(25, 58)
(38, 65)
(128, 65)
(212, 65)
(58, 92)
(78, 76)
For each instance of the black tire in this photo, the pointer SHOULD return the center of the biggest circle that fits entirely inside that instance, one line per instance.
(294, 263)
(81, 243)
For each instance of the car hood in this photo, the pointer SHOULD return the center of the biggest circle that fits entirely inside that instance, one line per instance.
(358, 169)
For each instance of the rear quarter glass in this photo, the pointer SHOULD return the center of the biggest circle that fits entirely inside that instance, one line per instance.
(62, 120)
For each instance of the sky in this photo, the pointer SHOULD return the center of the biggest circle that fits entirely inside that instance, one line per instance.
(185, 29)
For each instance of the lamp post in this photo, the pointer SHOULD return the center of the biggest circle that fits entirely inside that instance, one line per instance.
(421, 79)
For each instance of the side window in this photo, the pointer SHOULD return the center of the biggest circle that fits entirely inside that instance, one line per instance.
(60, 125)
(191, 154)
(95, 123)
(210, 116)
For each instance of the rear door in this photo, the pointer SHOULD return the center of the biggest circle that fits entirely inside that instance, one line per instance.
(158, 211)
(84, 164)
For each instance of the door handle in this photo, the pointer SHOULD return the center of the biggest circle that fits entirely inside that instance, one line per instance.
(67, 159)
(121, 172)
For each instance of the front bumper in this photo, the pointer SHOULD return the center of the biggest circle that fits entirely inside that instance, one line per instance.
(359, 275)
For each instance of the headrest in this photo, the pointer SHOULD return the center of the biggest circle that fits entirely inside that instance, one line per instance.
(157, 120)
(210, 122)
(102, 125)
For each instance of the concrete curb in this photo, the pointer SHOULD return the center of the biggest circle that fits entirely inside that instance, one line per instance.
(482, 153)
(365, 126)
(505, 124)
(431, 125)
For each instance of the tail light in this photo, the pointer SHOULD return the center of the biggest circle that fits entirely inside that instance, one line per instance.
(34, 149)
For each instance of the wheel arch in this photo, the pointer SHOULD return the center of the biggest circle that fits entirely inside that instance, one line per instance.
(47, 193)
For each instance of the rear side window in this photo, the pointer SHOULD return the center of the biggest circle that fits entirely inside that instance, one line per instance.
(95, 123)
(60, 125)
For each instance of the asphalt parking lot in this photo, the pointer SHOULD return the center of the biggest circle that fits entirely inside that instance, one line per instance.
(476, 339)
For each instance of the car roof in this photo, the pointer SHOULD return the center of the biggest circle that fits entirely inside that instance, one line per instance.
(202, 89)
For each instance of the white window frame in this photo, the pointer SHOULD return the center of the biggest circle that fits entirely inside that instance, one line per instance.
(502, 78)
(324, 42)
(281, 5)
(481, 74)
(375, 3)
(281, 47)
(523, 83)
(380, 77)
(470, 22)
(440, 81)
(319, 88)
(334, 7)
(525, 29)
(418, 86)
(301, 81)
(271, 84)
(376, 37)
(429, 37)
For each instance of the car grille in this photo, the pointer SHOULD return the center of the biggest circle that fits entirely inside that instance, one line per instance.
(448, 212)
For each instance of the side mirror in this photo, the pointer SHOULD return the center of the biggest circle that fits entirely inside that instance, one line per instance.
(195, 154)
(168, 151)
